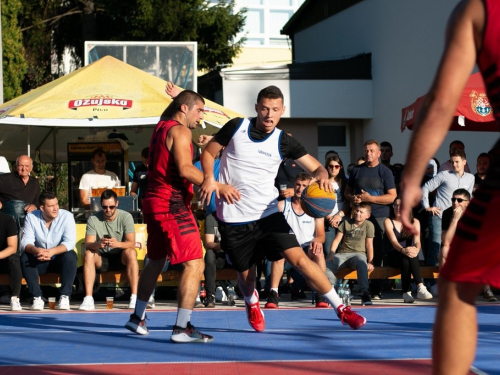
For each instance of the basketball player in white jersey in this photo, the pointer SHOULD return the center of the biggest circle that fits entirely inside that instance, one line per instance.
(310, 233)
(252, 226)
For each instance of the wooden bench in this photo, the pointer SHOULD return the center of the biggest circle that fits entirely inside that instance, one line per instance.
(121, 277)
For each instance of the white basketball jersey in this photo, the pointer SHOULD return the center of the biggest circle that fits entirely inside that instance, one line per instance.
(303, 226)
(250, 166)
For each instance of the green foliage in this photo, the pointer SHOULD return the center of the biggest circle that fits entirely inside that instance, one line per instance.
(44, 173)
(14, 63)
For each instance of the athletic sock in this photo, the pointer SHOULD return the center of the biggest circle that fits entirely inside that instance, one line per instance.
(252, 299)
(275, 289)
(183, 317)
(140, 308)
(133, 297)
(333, 298)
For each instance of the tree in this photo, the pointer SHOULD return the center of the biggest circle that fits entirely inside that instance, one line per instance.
(52, 27)
(13, 59)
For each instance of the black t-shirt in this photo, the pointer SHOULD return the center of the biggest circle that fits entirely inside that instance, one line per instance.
(289, 146)
(7, 229)
(12, 187)
(446, 218)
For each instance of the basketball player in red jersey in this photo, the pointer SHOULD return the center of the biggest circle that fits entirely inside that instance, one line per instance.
(172, 229)
(474, 260)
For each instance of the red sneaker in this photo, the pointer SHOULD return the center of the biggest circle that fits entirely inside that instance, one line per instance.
(321, 301)
(350, 317)
(255, 316)
(273, 300)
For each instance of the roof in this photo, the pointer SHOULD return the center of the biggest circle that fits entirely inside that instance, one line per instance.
(314, 11)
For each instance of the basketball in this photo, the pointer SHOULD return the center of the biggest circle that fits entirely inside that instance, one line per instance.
(316, 202)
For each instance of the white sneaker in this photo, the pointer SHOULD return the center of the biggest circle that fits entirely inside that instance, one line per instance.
(423, 293)
(133, 300)
(63, 303)
(38, 304)
(434, 290)
(15, 305)
(151, 303)
(232, 296)
(87, 304)
(197, 303)
(408, 298)
(220, 296)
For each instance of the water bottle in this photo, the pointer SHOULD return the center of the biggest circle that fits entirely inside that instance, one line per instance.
(340, 291)
(347, 295)
(203, 293)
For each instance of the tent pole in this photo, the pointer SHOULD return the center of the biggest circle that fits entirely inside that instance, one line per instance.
(28, 145)
(54, 131)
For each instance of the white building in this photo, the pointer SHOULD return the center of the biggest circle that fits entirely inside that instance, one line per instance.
(340, 107)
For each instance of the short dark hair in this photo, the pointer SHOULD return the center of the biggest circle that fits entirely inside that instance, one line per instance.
(44, 196)
(386, 144)
(485, 155)
(463, 192)
(97, 152)
(303, 176)
(366, 206)
(108, 194)
(458, 152)
(145, 153)
(457, 142)
(187, 97)
(270, 92)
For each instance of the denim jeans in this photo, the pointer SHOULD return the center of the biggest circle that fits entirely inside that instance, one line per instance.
(434, 240)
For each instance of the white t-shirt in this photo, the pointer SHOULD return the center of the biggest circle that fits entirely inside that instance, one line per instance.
(303, 226)
(94, 179)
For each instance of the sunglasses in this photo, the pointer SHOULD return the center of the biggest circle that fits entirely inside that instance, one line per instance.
(108, 207)
(459, 200)
(336, 166)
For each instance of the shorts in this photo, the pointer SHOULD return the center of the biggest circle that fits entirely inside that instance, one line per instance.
(177, 237)
(247, 244)
(474, 255)
(111, 261)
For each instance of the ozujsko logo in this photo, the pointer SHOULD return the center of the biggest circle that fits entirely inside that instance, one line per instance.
(102, 101)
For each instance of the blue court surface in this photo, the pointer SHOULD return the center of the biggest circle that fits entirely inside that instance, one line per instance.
(396, 340)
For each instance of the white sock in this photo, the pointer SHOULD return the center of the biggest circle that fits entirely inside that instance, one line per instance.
(183, 317)
(133, 297)
(140, 308)
(333, 298)
(275, 289)
(252, 299)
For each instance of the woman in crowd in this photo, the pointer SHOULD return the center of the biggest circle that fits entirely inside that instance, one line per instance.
(404, 253)
(337, 178)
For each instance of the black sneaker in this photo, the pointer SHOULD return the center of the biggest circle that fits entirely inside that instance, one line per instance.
(296, 295)
(210, 302)
(366, 300)
(321, 301)
(273, 300)
(136, 325)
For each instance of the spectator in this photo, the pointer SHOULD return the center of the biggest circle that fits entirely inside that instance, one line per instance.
(404, 253)
(338, 180)
(448, 165)
(310, 233)
(140, 179)
(110, 246)
(446, 182)
(48, 241)
(355, 237)
(287, 171)
(10, 260)
(97, 177)
(373, 183)
(482, 165)
(19, 192)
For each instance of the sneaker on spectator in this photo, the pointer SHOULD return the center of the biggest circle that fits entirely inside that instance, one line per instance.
(5, 299)
(87, 304)
(255, 316)
(296, 294)
(434, 290)
(353, 319)
(231, 294)
(423, 293)
(273, 300)
(38, 304)
(189, 334)
(488, 295)
(197, 303)
(366, 299)
(408, 298)
(15, 305)
(136, 325)
(321, 301)
(151, 303)
(210, 302)
(377, 296)
(63, 303)
(133, 301)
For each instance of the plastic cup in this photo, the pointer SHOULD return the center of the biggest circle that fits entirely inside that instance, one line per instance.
(109, 303)
(121, 191)
(95, 191)
(52, 303)
(283, 188)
